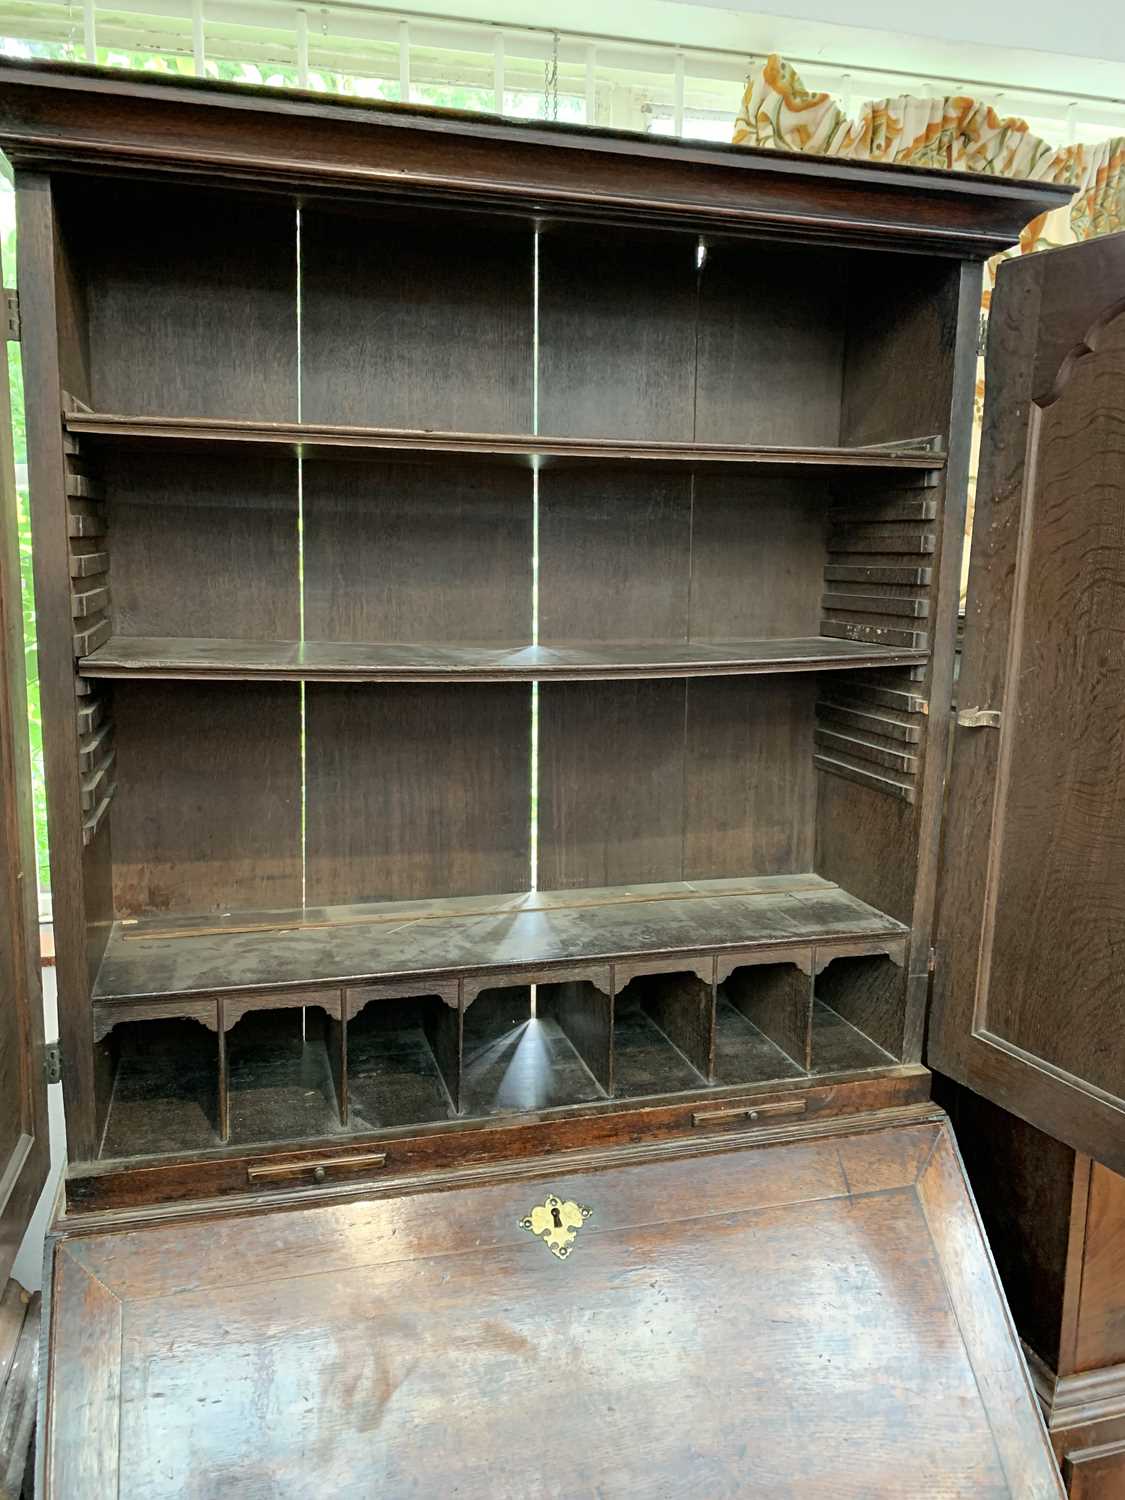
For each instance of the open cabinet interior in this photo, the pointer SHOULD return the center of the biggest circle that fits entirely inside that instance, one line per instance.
(501, 676)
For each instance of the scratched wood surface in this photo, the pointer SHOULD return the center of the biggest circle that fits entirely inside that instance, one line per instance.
(1027, 996)
(637, 1367)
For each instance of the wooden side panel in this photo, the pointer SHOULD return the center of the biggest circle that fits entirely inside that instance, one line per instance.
(192, 299)
(617, 320)
(873, 1295)
(1100, 1330)
(52, 350)
(81, 1452)
(1023, 1182)
(203, 545)
(417, 791)
(435, 312)
(24, 1145)
(1028, 994)
(207, 816)
(412, 552)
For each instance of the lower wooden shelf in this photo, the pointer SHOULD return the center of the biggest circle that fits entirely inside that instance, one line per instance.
(343, 1022)
(157, 958)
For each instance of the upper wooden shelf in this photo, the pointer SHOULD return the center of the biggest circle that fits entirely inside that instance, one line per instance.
(318, 440)
(171, 657)
(530, 930)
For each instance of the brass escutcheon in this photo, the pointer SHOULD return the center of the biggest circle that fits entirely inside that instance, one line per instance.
(556, 1221)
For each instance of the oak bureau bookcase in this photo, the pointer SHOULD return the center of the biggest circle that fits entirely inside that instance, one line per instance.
(497, 587)
(491, 583)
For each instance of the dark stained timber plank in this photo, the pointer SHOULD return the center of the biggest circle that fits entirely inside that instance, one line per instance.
(749, 795)
(350, 661)
(614, 555)
(757, 555)
(331, 440)
(192, 299)
(406, 552)
(416, 791)
(616, 334)
(485, 935)
(771, 345)
(207, 815)
(611, 775)
(435, 313)
(205, 545)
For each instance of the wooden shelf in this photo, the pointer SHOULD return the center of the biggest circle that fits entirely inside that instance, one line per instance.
(422, 941)
(319, 440)
(216, 660)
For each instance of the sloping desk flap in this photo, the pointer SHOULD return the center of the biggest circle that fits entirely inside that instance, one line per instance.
(818, 1317)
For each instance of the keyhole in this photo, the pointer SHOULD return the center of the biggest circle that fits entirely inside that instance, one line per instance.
(556, 1215)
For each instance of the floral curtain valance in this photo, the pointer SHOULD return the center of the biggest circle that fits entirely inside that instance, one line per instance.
(955, 132)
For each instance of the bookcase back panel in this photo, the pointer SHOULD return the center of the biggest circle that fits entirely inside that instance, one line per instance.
(617, 313)
(674, 780)
(614, 555)
(207, 815)
(190, 302)
(771, 345)
(204, 546)
(412, 552)
(757, 557)
(434, 311)
(626, 556)
(749, 793)
(416, 791)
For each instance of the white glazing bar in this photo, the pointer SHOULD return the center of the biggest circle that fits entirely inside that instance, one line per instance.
(303, 49)
(678, 96)
(89, 31)
(498, 72)
(591, 84)
(404, 61)
(197, 37)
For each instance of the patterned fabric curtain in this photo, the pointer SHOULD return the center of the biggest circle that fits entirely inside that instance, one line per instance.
(956, 132)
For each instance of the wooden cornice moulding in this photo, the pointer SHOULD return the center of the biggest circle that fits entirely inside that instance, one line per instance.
(53, 115)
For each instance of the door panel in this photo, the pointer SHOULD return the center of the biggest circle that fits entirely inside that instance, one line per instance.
(24, 1149)
(1030, 980)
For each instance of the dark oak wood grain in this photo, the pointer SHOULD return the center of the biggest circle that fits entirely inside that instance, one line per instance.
(352, 661)
(435, 339)
(1036, 808)
(191, 302)
(230, 837)
(601, 322)
(335, 441)
(415, 792)
(883, 1216)
(180, 538)
(402, 552)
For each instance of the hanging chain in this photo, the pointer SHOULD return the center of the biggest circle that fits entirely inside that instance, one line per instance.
(551, 81)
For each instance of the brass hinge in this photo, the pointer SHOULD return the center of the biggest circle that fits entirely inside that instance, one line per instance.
(932, 965)
(12, 315)
(52, 1062)
(982, 334)
(979, 718)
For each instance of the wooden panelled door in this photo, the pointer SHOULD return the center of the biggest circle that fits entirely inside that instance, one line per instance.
(1030, 973)
(24, 1148)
